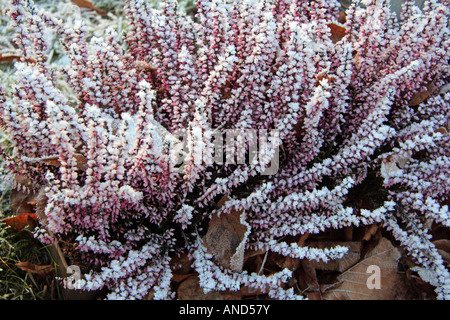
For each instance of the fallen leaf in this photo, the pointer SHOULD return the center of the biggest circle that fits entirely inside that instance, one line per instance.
(225, 239)
(41, 203)
(41, 271)
(353, 284)
(425, 276)
(54, 161)
(422, 95)
(182, 264)
(348, 233)
(301, 241)
(337, 32)
(87, 4)
(420, 276)
(308, 281)
(21, 202)
(222, 201)
(442, 244)
(252, 253)
(22, 221)
(286, 262)
(443, 247)
(182, 268)
(23, 181)
(441, 130)
(180, 277)
(342, 18)
(370, 232)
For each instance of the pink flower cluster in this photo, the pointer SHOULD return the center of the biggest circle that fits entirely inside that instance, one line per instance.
(348, 112)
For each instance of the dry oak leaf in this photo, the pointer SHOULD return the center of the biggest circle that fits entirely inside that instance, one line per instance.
(41, 271)
(22, 221)
(226, 238)
(356, 282)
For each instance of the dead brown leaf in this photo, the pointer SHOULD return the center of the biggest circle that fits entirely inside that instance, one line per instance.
(443, 247)
(182, 264)
(348, 233)
(24, 181)
(370, 232)
(303, 238)
(20, 222)
(284, 262)
(41, 204)
(41, 271)
(337, 32)
(222, 201)
(342, 18)
(182, 267)
(308, 281)
(54, 161)
(224, 240)
(145, 65)
(353, 283)
(87, 4)
(422, 95)
(441, 130)
(21, 202)
(252, 253)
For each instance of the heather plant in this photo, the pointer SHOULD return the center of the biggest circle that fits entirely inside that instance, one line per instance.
(128, 172)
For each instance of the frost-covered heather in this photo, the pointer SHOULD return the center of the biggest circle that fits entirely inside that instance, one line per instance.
(61, 9)
(68, 12)
(369, 109)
